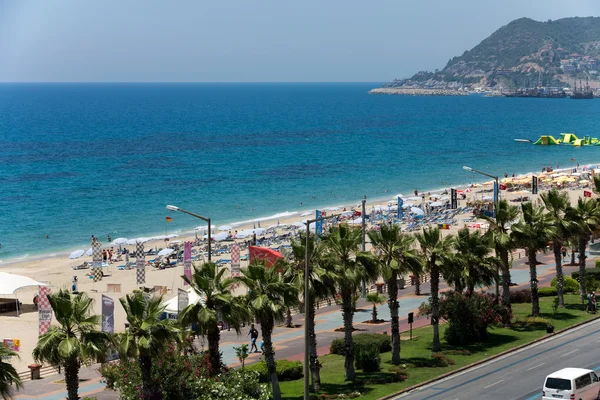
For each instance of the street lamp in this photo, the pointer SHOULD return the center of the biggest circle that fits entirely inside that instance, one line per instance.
(307, 303)
(497, 188)
(175, 208)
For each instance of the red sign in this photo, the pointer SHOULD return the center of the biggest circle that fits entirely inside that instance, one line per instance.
(587, 193)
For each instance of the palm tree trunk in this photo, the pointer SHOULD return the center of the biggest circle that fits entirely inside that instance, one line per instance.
(374, 314)
(393, 304)
(435, 308)
(560, 281)
(72, 379)
(418, 284)
(535, 301)
(505, 278)
(266, 327)
(582, 246)
(315, 366)
(213, 337)
(348, 315)
(572, 256)
(149, 391)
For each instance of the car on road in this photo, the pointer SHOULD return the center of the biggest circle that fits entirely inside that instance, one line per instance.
(572, 384)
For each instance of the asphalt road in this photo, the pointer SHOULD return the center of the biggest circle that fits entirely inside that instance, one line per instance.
(520, 375)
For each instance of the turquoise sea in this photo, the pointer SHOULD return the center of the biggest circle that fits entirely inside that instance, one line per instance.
(83, 159)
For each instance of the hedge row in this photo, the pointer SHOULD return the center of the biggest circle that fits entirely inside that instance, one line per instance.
(593, 272)
(286, 370)
(383, 341)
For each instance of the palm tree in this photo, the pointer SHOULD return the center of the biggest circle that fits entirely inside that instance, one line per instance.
(397, 257)
(350, 267)
(477, 267)
(215, 304)
(269, 295)
(533, 232)
(146, 336)
(375, 299)
(506, 214)
(8, 374)
(586, 218)
(75, 341)
(557, 204)
(436, 252)
(321, 287)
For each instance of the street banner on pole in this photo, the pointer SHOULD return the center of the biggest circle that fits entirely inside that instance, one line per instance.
(235, 260)
(96, 260)
(108, 314)
(400, 211)
(453, 199)
(139, 263)
(44, 310)
(318, 224)
(495, 192)
(534, 185)
(183, 299)
(187, 261)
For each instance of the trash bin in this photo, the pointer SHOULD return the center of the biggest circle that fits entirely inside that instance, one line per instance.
(35, 371)
(401, 283)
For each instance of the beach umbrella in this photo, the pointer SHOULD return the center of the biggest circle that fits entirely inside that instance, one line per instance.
(89, 252)
(165, 252)
(436, 204)
(225, 228)
(120, 240)
(220, 236)
(201, 228)
(76, 254)
(259, 230)
(413, 198)
(332, 209)
(417, 211)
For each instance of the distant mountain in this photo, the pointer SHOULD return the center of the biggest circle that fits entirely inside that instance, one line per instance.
(523, 53)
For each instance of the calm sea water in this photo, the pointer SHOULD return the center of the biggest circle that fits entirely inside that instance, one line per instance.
(83, 159)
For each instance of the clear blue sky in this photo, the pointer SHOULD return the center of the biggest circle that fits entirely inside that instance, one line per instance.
(250, 41)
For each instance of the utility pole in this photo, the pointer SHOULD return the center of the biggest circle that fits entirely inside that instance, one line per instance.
(364, 242)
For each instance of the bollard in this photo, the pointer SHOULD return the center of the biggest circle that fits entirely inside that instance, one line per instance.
(35, 371)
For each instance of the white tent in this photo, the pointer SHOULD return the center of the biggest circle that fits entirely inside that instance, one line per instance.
(10, 283)
(171, 305)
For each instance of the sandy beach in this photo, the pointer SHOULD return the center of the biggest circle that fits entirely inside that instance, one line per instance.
(57, 271)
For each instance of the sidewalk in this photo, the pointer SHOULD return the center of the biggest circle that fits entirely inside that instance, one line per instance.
(289, 342)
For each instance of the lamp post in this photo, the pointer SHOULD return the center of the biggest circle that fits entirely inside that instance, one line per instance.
(497, 188)
(307, 304)
(363, 291)
(175, 208)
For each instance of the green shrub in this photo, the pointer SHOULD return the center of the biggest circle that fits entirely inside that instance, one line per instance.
(597, 263)
(570, 285)
(591, 284)
(383, 341)
(367, 357)
(457, 352)
(547, 292)
(400, 372)
(520, 296)
(593, 272)
(286, 370)
(532, 322)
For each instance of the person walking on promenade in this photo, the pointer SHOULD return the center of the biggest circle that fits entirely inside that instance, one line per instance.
(253, 336)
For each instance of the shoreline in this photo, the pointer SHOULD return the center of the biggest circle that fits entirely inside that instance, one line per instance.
(283, 216)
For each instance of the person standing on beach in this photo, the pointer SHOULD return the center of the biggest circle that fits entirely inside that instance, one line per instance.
(253, 336)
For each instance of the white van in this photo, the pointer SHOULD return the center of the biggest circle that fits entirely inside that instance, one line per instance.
(572, 384)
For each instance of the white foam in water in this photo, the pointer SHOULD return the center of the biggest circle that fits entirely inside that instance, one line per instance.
(23, 257)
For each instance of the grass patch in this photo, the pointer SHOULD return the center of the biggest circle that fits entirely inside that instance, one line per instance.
(418, 352)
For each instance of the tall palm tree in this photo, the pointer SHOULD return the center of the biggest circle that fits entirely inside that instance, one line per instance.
(557, 204)
(586, 218)
(321, 286)
(473, 255)
(75, 341)
(436, 251)
(215, 304)
(9, 376)
(397, 257)
(351, 267)
(268, 298)
(499, 229)
(533, 232)
(146, 336)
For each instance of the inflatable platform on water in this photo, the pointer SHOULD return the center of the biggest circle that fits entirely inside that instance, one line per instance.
(569, 139)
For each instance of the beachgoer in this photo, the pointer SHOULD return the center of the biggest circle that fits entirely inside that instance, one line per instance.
(109, 239)
(253, 336)
(93, 239)
(416, 192)
(47, 236)
(36, 300)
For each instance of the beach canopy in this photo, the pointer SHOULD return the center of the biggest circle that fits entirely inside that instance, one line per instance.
(165, 252)
(76, 254)
(172, 304)
(10, 283)
(269, 256)
(219, 236)
(120, 240)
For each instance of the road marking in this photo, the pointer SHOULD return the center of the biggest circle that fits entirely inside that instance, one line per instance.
(539, 365)
(571, 352)
(597, 341)
(489, 386)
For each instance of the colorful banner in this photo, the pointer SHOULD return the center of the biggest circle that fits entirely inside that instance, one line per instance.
(453, 199)
(108, 314)
(534, 185)
(587, 193)
(183, 299)
(44, 310)
(13, 344)
(318, 224)
(235, 260)
(97, 261)
(187, 261)
(140, 263)
(400, 210)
